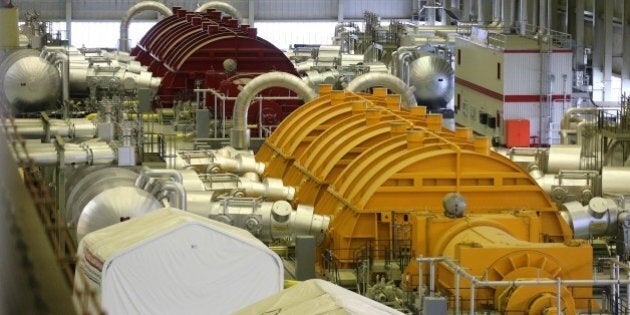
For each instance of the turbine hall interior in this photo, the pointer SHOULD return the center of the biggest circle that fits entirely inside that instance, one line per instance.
(315, 157)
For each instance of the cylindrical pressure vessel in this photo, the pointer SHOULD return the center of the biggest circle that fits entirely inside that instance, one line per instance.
(29, 83)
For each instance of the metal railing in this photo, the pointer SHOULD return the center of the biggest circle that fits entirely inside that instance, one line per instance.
(616, 303)
(500, 37)
(50, 216)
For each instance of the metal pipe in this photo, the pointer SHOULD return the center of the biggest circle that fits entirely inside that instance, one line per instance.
(430, 8)
(542, 17)
(420, 282)
(146, 174)
(457, 284)
(496, 13)
(133, 10)
(559, 296)
(374, 79)
(566, 119)
(522, 16)
(239, 137)
(175, 193)
(484, 12)
(34, 128)
(223, 7)
(431, 278)
(62, 57)
(472, 297)
(507, 14)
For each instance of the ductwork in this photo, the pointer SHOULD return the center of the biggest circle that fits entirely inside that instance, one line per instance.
(133, 11)
(374, 79)
(240, 133)
(223, 7)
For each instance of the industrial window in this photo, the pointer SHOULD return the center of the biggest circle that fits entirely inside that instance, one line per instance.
(459, 56)
(458, 105)
(498, 71)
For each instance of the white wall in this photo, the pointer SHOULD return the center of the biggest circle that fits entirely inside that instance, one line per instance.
(281, 34)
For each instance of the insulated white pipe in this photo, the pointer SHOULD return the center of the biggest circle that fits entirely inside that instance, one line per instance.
(175, 193)
(374, 79)
(133, 11)
(223, 7)
(239, 137)
(145, 176)
(62, 58)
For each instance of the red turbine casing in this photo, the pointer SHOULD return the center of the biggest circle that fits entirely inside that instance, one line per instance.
(188, 47)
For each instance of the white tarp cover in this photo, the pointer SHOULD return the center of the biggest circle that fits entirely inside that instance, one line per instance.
(317, 297)
(173, 262)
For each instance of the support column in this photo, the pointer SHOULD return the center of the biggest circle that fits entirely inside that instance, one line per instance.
(340, 11)
(554, 20)
(430, 13)
(532, 14)
(250, 17)
(444, 18)
(575, 13)
(523, 11)
(625, 67)
(484, 11)
(415, 7)
(69, 21)
(507, 14)
(602, 51)
(466, 8)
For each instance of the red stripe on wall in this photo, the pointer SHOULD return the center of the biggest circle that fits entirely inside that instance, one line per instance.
(532, 98)
(534, 51)
(479, 88)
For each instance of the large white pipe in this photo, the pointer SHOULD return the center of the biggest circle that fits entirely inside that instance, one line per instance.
(239, 137)
(374, 79)
(34, 128)
(223, 7)
(133, 11)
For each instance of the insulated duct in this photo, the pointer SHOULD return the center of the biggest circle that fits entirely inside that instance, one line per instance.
(374, 79)
(240, 134)
(223, 7)
(135, 9)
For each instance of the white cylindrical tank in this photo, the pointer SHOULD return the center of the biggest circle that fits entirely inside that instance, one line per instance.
(432, 77)
(9, 36)
(29, 83)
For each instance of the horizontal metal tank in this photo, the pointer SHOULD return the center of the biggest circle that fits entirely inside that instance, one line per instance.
(432, 77)
(99, 197)
(29, 83)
